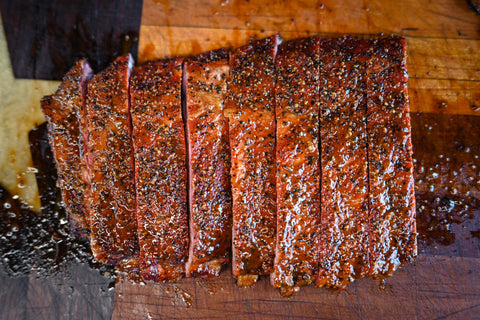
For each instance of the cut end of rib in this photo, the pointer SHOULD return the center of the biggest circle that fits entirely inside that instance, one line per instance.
(162, 273)
(288, 291)
(247, 280)
(207, 269)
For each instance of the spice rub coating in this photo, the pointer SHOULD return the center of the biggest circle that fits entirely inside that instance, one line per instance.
(392, 196)
(343, 244)
(251, 112)
(64, 111)
(109, 164)
(210, 198)
(297, 162)
(160, 169)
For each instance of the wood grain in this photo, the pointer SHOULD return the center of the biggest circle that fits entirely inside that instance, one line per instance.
(12, 302)
(432, 287)
(449, 96)
(76, 293)
(442, 18)
(444, 58)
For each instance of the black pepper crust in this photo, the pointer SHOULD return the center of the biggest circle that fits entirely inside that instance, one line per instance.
(339, 106)
(392, 194)
(251, 112)
(160, 169)
(64, 111)
(109, 160)
(210, 199)
(388, 232)
(297, 162)
(343, 244)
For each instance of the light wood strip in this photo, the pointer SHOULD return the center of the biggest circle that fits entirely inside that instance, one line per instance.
(441, 18)
(444, 58)
(444, 96)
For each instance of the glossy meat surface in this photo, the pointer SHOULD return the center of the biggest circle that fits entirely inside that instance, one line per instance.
(110, 167)
(160, 169)
(297, 162)
(210, 198)
(64, 111)
(250, 109)
(392, 195)
(343, 244)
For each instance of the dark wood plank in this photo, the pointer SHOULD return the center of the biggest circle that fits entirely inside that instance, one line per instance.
(12, 303)
(74, 293)
(45, 37)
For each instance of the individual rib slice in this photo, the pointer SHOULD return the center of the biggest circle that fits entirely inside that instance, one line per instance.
(298, 163)
(210, 198)
(110, 166)
(63, 111)
(160, 170)
(343, 243)
(250, 109)
(392, 196)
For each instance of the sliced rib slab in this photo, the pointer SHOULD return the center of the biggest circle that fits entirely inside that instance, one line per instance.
(64, 110)
(160, 169)
(210, 198)
(109, 163)
(251, 112)
(343, 245)
(297, 163)
(392, 194)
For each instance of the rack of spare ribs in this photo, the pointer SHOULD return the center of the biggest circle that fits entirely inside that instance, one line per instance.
(291, 159)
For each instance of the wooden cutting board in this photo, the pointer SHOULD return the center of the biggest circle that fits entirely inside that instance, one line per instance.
(444, 61)
(443, 39)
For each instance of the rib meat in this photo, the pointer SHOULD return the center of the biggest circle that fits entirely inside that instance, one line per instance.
(210, 198)
(63, 111)
(109, 163)
(298, 163)
(250, 109)
(392, 195)
(160, 171)
(343, 243)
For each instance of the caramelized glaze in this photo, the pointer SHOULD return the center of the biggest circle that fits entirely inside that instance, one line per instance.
(250, 109)
(210, 198)
(110, 197)
(64, 111)
(160, 169)
(344, 240)
(392, 196)
(297, 162)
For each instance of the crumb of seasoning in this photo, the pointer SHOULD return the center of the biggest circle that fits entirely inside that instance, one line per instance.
(442, 105)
